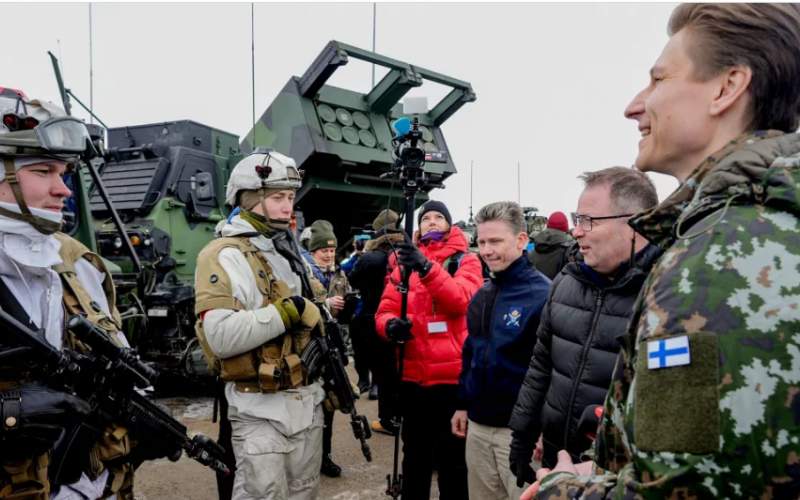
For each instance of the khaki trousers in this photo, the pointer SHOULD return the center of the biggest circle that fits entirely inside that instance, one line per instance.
(488, 473)
(272, 466)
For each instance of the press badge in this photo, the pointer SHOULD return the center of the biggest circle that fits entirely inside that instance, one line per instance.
(437, 327)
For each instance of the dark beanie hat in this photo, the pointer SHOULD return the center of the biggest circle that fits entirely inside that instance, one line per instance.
(322, 236)
(386, 219)
(558, 220)
(435, 206)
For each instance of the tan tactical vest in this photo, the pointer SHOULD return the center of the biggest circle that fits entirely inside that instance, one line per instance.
(27, 478)
(115, 442)
(273, 366)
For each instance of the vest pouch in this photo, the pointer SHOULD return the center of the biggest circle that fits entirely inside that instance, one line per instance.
(293, 368)
(120, 482)
(271, 352)
(270, 370)
(269, 377)
(301, 339)
(25, 479)
(241, 367)
(113, 444)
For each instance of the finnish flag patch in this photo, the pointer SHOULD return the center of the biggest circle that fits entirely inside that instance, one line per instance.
(665, 353)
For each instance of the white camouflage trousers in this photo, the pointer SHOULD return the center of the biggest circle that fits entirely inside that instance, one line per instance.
(273, 466)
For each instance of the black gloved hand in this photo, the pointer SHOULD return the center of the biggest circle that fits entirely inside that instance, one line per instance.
(519, 460)
(149, 445)
(35, 416)
(42, 404)
(398, 330)
(410, 257)
(299, 303)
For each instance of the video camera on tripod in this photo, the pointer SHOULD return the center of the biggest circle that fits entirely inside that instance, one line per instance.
(407, 151)
(409, 168)
(409, 156)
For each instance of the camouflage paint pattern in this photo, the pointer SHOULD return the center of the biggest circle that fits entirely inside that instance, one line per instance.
(728, 424)
(343, 179)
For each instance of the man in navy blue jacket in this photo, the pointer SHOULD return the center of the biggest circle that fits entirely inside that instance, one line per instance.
(502, 320)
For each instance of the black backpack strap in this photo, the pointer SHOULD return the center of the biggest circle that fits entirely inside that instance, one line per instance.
(454, 262)
(10, 304)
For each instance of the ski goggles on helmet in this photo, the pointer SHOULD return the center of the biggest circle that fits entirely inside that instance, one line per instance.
(62, 134)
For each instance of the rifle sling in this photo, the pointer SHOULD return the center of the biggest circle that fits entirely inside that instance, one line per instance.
(12, 306)
(17, 370)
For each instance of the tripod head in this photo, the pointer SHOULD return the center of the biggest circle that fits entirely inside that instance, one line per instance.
(406, 141)
(409, 164)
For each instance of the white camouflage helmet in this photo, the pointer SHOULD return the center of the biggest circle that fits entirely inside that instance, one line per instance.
(262, 170)
(32, 132)
(305, 237)
(32, 129)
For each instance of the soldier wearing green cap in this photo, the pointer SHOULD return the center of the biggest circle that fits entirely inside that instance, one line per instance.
(321, 256)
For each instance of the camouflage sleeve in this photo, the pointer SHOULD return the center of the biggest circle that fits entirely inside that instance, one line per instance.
(730, 289)
(560, 485)
(712, 406)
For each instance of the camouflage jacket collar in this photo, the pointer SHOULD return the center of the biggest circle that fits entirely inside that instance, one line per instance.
(739, 173)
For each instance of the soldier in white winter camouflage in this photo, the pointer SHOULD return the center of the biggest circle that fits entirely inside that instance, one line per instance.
(706, 397)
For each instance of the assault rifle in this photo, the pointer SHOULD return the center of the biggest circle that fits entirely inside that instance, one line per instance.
(323, 357)
(107, 377)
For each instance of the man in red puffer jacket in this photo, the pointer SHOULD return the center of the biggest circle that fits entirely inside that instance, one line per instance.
(444, 279)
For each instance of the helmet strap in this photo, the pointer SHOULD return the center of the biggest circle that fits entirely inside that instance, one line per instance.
(42, 225)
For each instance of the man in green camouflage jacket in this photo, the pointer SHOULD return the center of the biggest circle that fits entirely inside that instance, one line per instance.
(706, 397)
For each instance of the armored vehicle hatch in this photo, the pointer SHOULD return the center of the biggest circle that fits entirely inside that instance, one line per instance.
(167, 181)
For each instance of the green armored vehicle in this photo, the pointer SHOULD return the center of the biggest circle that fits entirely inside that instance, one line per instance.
(167, 183)
(342, 139)
(536, 223)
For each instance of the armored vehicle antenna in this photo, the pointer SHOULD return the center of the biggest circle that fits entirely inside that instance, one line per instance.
(85, 224)
(91, 62)
(471, 166)
(253, 62)
(66, 93)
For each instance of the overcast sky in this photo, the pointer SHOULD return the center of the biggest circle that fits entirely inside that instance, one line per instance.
(552, 80)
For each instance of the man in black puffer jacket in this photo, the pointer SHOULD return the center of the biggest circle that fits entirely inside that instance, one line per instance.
(584, 319)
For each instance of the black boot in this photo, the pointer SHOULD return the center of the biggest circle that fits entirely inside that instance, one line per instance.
(329, 468)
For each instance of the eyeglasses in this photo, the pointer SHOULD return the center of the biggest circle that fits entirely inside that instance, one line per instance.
(585, 221)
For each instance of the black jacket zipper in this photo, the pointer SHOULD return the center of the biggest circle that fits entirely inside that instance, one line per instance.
(487, 323)
(577, 380)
